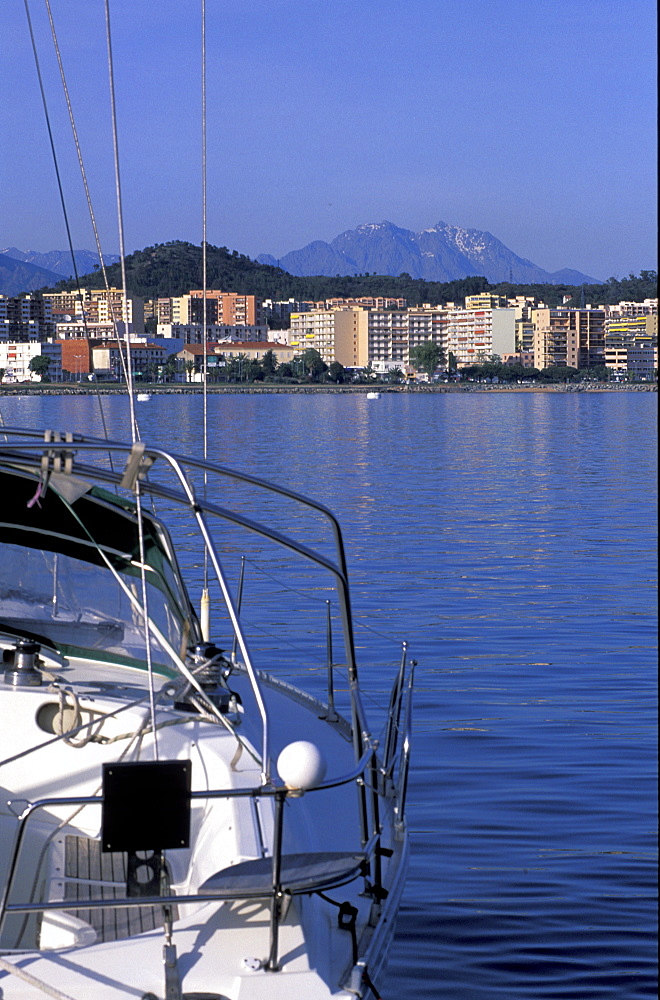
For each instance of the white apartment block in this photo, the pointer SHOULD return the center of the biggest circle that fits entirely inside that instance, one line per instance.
(77, 330)
(629, 310)
(474, 335)
(15, 359)
(393, 333)
(356, 336)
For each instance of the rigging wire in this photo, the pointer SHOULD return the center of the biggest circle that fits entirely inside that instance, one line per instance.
(131, 396)
(205, 604)
(120, 223)
(83, 174)
(61, 193)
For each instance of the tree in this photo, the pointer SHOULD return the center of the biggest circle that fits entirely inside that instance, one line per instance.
(559, 373)
(313, 363)
(427, 356)
(170, 368)
(269, 362)
(337, 372)
(40, 365)
(190, 367)
(254, 371)
(395, 375)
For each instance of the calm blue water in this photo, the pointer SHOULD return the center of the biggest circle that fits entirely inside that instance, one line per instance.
(511, 538)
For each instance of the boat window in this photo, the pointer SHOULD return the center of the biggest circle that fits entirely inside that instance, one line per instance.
(80, 606)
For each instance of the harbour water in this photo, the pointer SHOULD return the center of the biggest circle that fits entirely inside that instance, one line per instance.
(511, 539)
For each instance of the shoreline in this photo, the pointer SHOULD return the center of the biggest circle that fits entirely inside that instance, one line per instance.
(157, 390)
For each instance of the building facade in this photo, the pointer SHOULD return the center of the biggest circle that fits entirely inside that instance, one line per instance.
(25, 319)
(572, 337)
(100, 305)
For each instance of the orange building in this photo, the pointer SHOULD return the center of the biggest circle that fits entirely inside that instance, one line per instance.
(76, 356)
(228, 308)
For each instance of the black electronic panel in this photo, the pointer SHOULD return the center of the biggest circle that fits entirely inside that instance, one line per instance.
(146, 805)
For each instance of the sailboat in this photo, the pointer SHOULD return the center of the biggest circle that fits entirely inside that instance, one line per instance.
(177, 820)
(187, 810)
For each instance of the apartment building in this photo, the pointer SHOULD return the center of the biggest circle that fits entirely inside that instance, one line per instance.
(365, 302)
(75, 329)
(573, 337)
(392, 334)
(474, 335)
(486, 300)
(337, 334)
(631, 345)
(629, 310)
(100, 305)
(193, 333)
(15, 358)
(25, 319)
(228, 308)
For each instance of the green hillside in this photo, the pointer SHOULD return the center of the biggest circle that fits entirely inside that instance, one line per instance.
(174, 268)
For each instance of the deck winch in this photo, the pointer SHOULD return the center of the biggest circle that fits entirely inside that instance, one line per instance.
(22, 659)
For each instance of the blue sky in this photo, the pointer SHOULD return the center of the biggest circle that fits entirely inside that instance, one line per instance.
(533, 120)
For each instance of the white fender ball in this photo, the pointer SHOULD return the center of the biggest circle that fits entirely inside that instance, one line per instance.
(301, 765)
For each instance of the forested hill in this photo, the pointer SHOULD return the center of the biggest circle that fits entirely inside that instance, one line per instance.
(174, 268)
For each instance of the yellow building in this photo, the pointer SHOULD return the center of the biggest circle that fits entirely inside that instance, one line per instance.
(337, 334)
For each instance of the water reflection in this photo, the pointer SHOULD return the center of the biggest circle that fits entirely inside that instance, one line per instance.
(511, 538)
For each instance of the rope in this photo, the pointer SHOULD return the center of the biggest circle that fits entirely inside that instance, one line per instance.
(38, 984)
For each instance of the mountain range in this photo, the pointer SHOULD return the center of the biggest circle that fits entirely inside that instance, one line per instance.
(441, 253)
(28, 270)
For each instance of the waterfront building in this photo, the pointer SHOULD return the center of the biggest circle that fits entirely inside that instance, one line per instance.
(193, 333)
(108, 358)
(101, 305)
(15, 358)
(337, 334)
(25, 319)
(217, 354)
(524, 358)
(475, 335)
(77, 357)
(573, 337)
(631, 345)
(228, 308)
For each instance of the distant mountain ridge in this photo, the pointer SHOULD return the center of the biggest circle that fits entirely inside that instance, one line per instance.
(441, 253)
(29, 270)
(17, 276)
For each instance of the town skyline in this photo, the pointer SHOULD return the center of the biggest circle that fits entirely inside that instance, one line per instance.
(535, 123)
